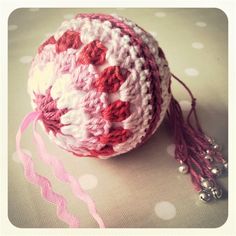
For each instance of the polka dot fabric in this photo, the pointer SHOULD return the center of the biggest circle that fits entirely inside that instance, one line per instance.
(101, 84)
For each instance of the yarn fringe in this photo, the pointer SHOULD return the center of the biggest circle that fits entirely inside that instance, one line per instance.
(197, 153)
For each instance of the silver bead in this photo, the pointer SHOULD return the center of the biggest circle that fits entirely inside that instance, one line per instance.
(216, 171)
(204, 196)
(216, 147)
(226, 165)
(217, 192)
(207, 184)
(210, 140)
(208, 151)
(209, 158)
(183, 169)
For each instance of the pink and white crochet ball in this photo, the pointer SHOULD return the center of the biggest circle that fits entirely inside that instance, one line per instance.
(102, 85)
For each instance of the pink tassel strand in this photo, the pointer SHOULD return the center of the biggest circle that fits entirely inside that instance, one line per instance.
(198, 154)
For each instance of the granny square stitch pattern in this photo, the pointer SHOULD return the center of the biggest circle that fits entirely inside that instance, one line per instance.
(102, 85)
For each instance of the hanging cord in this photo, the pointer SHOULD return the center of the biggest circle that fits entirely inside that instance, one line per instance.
(197, 153)
(59, 172)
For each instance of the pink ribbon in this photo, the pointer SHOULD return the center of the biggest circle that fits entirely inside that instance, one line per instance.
(47, 193)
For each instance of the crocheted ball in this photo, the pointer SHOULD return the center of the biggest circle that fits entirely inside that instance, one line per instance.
(102, 85)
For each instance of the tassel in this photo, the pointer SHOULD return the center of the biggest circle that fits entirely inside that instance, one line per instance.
(197, 153)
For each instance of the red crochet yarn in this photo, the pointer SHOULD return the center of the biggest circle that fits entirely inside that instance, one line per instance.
(111, 79)
(115, 136)
(116, 111)
(70, 39)
(93, 53)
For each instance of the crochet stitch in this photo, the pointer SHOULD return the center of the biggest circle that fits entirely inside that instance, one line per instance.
(113, 72)
(101, 86)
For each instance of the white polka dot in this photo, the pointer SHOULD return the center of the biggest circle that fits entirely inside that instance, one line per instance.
(33, 9)
(26, 59)
(171, 150)
(12, 27)
(165, 210)
(160, 14)
(185, 105)
(153, 33)
(201, 24)
(88, 181)
(16, 158)
(68, 16)
(191, 72)
(197, 45)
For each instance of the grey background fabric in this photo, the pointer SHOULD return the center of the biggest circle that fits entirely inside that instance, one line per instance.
(141, 188)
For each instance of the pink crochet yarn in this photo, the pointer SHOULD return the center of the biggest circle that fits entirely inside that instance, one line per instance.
(105, 87)
(101, 87)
